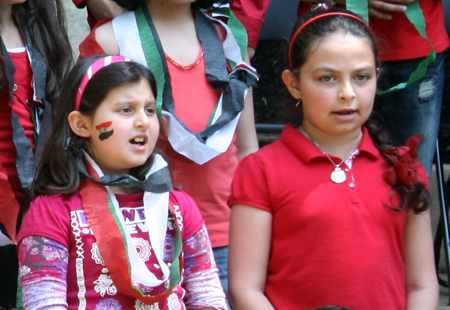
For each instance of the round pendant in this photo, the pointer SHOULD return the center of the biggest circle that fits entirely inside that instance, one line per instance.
(338, 176)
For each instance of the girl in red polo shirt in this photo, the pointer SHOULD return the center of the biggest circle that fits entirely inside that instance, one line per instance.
(34, 56)
(330, 214)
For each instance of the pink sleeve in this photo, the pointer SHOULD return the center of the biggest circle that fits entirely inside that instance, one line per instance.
(201, 277)
(192, 219)
(43, 273)
(251, 14)
(256, 192)
(49, 217)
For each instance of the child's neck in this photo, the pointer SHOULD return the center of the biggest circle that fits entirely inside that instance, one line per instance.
(10, 33)
(123, 191)
(171, 15)
(341, 146)
(176, 28)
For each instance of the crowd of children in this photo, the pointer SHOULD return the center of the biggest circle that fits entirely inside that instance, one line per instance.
(129, 174)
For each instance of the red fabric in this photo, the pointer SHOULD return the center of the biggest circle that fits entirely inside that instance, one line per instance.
(24, 93)
(406, 166)
(395, 36)
(208, 184)
(331, 243)
(79, 3)
(89, 46)
(62, 219)
(188, 84)
(251, 14)
(10, 207)
(398, 35)
(90, 19)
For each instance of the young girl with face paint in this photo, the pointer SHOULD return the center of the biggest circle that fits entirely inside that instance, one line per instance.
(35, 55)
(112, 233)
(198, 57)
(332, 215)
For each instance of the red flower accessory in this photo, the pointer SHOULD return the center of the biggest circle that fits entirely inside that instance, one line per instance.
(404, 164)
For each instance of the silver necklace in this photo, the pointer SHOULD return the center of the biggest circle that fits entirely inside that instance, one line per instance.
(338, 175)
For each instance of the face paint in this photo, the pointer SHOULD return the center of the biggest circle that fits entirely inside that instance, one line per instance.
(102, 128)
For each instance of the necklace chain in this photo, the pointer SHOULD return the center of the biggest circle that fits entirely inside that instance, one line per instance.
(188, 67)
(338, 175)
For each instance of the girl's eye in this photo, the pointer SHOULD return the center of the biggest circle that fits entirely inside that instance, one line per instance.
(362, 77)
(150, 110)
(327, 78)
(125, 110)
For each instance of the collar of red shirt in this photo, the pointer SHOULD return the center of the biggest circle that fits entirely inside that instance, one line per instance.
(306, 150)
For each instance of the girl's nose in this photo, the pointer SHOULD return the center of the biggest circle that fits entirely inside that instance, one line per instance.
(347, 92)
(142, 119)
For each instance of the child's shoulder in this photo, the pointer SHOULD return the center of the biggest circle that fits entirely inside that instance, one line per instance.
(104, 36)
(277, 148)
(49, 216)
(186, 207)
(183, 200)
(56, 202)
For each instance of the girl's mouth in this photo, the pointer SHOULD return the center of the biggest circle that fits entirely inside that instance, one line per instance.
(345, 112)
(139, 140)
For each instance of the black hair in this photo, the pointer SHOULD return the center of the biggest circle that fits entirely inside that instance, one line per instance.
(58, 169)
(45, 23)
(132, 5)
(416, 198)
(324, 27)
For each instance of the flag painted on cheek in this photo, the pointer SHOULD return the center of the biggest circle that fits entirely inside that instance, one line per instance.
(103, 130)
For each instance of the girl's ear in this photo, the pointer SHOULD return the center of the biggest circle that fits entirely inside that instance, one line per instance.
(292, 83)
(79, 123)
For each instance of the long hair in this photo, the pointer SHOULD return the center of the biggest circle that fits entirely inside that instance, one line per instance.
(132, 5)
(58, 169)
(45, 23)
(416, 198)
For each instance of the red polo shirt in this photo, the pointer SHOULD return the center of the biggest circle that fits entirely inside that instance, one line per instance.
(331, 243)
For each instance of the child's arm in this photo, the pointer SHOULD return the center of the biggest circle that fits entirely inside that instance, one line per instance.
(201, 278)
(250, 239)
(43, 272)
(246, 139)
(421, 281)
(104, 35)
(102, 9)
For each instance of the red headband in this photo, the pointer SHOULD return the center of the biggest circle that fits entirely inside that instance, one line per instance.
(92, 70)
(309, 21)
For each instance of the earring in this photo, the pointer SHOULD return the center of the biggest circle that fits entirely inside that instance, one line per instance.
(299, 102)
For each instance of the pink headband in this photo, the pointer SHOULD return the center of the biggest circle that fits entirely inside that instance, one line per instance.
(294, 37)
(92, 70)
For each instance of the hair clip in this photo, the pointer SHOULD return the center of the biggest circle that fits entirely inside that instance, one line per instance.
(66, 147)
(323, 5)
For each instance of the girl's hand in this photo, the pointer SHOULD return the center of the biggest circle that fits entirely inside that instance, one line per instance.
(102, 9)
(382, 8)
